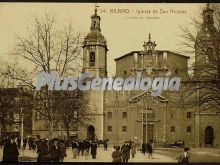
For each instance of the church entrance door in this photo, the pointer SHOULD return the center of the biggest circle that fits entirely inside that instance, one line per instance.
(91, 132)
(209, 136)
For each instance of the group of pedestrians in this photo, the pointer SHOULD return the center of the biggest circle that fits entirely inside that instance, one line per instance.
(148, 148)
(84, 147)
(31, 142)
(10, 150)
(48, 150)
(51, 150)
(122, 154)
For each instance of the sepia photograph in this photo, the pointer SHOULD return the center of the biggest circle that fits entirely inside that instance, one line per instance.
(109, 82)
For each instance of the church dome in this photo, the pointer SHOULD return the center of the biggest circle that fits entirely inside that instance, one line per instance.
(95, 35)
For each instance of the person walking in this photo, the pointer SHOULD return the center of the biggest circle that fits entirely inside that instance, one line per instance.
(24, 143)
(153, 146)
(116, 155)
(143, 148)
(19, 142)
(83, 147)
(79, 147)
(75, 149)
(55, 151)
(184, 157)
(10, 151)
(149, 150)
(105, 144)
(34, 144)
(62, 150)
(43, 152)
(125, 149)
(94, 147)
(133, 149)
(30, 142)
(87, 144)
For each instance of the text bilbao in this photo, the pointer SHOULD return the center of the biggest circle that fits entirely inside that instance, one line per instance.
(84, 82)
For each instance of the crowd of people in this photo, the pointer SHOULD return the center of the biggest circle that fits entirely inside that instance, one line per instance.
(54, 150)
(48, 150)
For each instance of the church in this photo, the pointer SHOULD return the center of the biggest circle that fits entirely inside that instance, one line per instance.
(135, 115)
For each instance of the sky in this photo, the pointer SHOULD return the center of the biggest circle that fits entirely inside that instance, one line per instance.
(125, 26)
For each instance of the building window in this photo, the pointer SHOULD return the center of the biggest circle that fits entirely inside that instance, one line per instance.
(109, 115)
(176, 71)
(172, 129)
(189, 129)
(124, 114)
(92, 59)
(172, 115)
(109, 128)
(189, 114)
(124, 129)
(94, 24)
(37, 116)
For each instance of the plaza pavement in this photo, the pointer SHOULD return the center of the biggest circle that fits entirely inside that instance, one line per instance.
(102, 156)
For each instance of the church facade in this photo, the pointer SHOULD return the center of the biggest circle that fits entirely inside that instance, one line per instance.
(135, 115)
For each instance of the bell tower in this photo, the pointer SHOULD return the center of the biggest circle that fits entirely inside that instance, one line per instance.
(95, 49)
(94, 62)
(206, 43)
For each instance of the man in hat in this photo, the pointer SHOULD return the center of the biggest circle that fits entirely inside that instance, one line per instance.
(94, 149)
(43, 151)
(55, 151)
(62, 150)
(125, 149)
(10, 151)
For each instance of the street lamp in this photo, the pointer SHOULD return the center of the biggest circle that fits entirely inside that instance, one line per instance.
(22, 126)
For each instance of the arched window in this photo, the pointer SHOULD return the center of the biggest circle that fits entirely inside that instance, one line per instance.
(94, 24)
(92, 59)
(208, 54)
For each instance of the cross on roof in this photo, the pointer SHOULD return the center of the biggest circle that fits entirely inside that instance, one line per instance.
(96, 8)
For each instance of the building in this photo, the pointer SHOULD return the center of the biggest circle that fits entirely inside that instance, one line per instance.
(133, 115)
(207, 129)
(15, 111)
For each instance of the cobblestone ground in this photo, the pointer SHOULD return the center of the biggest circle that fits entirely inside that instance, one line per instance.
(102, 156)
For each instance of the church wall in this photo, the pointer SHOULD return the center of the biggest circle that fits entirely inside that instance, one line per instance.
(124, 64)
(178, 62)
(95, 105)
(117, 103)
(177, 117)
(212, 120)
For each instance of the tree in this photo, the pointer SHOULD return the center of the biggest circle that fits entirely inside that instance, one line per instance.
(47, 48)
(203, 88)
(7, 98)
(71, 108)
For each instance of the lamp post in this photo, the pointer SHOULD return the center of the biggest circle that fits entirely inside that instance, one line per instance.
(22, 125)
(142, 122)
